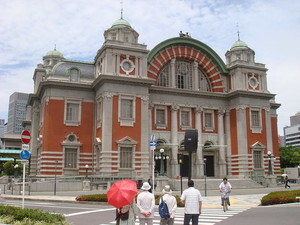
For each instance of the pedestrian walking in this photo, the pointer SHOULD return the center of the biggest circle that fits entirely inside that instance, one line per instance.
(225, 187)
(149, 181)
(145, 205)
(171, 202)
(192, 199)
(286, 180)
(126, 215)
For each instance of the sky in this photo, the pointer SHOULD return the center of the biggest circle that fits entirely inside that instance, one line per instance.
(31, 28)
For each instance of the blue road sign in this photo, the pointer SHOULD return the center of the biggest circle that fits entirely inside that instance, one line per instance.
(25, 154)
(152, 143)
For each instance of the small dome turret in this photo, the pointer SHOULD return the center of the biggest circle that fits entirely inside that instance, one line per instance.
(239, 45)
(120, 23)
(55, 53)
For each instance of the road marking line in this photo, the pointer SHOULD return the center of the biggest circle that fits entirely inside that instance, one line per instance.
(86, 212)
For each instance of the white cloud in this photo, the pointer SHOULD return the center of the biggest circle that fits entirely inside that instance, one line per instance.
(30, 28)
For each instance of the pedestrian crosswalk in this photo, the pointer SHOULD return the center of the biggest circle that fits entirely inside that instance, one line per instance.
(209, 216)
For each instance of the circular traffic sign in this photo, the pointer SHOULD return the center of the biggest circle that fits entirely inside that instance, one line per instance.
(25, 154)
(25, 137)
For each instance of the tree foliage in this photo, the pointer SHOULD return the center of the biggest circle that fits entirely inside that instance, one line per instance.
(10, 169)
(289, 156)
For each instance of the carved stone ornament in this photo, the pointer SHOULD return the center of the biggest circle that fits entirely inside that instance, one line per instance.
(108, 95)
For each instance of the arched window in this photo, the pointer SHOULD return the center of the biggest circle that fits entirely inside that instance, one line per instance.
(183, 74)
(74, 75)
(203, 81)
(163, 77)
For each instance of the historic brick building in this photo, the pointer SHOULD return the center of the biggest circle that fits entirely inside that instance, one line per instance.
(99, 116)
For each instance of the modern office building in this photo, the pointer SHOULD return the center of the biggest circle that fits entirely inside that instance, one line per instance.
(16, 112)
(99, 116)
(2, 130)
(292, 133)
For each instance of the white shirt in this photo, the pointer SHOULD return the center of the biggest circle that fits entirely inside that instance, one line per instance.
(171, 203)
(145, 203)
(191, 197)
(225, 187)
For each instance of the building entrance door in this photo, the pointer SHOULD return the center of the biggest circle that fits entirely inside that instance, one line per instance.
(210, 166)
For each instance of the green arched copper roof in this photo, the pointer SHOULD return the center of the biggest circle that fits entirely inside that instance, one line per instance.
(239, 44)
(192, 43)
(54, 53)
(121, 23)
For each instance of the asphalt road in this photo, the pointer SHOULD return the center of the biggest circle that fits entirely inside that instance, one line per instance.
(288, 214)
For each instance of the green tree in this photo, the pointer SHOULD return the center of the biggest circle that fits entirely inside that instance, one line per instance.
(289, 156)
(10, 169)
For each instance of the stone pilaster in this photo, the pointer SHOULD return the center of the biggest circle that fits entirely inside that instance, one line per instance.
(221, 140)
(199, 169)
(174, 140)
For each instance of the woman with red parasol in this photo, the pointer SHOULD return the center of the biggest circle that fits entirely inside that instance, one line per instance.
(121, 195)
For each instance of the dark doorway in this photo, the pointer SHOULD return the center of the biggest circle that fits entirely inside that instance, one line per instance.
(210, 168)
(184, 167)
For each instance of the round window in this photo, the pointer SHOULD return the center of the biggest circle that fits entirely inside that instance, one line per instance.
(127, 66)
(71, 138)
(253, 82)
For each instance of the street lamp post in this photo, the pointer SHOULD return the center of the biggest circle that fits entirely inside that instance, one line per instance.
(269, 157)
(55, 177)
(205, 188)
(86, 171)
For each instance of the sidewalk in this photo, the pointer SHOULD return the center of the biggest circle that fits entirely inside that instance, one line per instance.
(239, 197)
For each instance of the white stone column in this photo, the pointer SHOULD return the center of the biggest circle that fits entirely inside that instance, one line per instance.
(242, 141)
(146, 157)
(269, 130)
(221, 140)
(228, 137)
(106, 151)
(174, 140)
(199, 169)
(196, 77)
(173, 75)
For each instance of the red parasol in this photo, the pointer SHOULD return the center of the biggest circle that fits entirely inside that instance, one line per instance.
(121, 193)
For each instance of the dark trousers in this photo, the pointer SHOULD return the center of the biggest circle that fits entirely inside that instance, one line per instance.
(189, 217)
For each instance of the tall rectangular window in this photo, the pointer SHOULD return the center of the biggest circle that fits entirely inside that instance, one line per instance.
(72, 114)
(257, 159)
(208, 120)
(255, 118)
(70, 158)
(126, 109)
(185, 119)
(126, 157)
(160, 116)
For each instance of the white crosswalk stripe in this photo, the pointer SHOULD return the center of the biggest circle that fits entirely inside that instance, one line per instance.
(209, 216)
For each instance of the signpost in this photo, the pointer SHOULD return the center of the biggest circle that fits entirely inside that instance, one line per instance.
(152, 144)
(25, 155)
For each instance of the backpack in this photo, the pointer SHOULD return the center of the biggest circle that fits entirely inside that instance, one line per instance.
(163, 209)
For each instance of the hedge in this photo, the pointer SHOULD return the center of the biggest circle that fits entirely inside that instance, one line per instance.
(280, 197)
(32, 216)
(103, 198)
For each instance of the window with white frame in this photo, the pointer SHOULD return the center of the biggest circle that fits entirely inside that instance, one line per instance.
(185, 118)
(208, 120)
(74, 75)
(70, 158)
(126, 156)
(72, 112)
(161, 116)
(257, 159)
(255, 118)
(126, 108)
